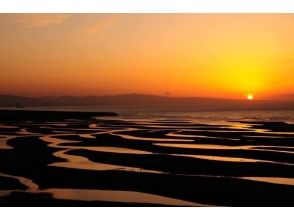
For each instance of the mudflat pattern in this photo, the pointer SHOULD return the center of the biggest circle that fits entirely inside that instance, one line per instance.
(112, 161)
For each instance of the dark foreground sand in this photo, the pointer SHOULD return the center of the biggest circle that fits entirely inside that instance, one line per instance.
(183, 160)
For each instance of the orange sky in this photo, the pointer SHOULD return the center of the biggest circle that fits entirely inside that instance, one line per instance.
(212, 55)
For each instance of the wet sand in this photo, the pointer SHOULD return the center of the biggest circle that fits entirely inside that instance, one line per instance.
(56, 160)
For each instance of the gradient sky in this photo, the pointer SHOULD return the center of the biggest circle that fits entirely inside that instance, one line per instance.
(211, 55)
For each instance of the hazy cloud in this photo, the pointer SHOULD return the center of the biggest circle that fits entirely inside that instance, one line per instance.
(99, 26)
(34, 20)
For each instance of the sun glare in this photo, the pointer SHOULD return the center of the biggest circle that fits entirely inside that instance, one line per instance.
(250, 97)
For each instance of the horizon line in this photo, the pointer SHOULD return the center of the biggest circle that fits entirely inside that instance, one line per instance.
(154, 95)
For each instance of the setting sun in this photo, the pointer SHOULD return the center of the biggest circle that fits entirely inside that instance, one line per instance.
(146, 106)
(233, 55)
(250, 97)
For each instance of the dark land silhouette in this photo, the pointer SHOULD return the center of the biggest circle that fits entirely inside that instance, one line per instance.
(190, 162)
(195, 103)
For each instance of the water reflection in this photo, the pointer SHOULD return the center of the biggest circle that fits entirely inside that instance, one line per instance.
(130, 137)
(98, 195)
(161, 133)
(79, 162)
(275, 180)
(24, 131)
(117, 196)
(221, 158)
(31, 186)
(174, 134)
(116, 150)
(201, 146)
(3, 142)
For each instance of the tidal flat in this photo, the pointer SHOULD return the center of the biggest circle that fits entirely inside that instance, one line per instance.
(54, 158)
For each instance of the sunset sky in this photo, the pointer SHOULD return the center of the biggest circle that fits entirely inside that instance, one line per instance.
(207, 55)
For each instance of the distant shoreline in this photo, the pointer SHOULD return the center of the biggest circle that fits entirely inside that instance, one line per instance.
(141, 100)
(49, 115)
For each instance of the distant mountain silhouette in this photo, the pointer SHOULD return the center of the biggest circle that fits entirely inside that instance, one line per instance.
(139, 99)
(289, 96)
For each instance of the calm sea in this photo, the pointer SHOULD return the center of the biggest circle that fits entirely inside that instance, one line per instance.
(178, 112)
